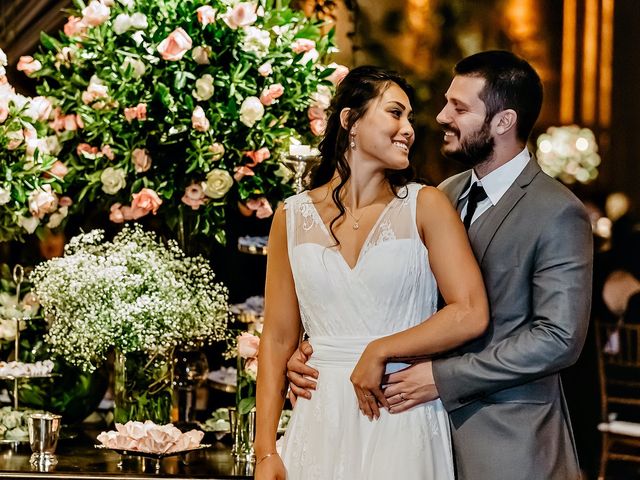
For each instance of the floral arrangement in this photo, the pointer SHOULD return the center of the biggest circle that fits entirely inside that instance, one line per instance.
(248, 346)
(150, 438)
(178, 109)
(31, 174)
(569, 153)
(133, 294)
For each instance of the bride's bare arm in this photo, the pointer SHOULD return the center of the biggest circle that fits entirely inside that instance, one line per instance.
(465, 316)
(279, 339)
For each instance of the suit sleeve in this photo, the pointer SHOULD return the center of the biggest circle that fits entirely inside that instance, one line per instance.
(559, 310)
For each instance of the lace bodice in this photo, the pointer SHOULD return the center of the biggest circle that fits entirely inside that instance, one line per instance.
(391, 286)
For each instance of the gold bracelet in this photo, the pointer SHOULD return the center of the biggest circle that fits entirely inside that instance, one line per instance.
(265, 457)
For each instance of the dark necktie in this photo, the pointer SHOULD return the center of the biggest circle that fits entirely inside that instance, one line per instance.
(476, 195)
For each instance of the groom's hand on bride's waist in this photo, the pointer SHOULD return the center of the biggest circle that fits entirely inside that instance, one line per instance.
(301, 376)
(410, 387)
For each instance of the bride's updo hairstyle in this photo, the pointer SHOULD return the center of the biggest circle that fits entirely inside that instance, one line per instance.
(355, 92)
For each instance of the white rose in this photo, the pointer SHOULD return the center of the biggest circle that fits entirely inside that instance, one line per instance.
(204, 88)
(127, 3)
(138, 67)
(138, 37)
(113, 179)
(121, 23)
(251, 111)
(5, 195)
(322, 97)
(265, 69)
(95, 14)
(201, 55)
(218, 183)
(40, 108)
(3, 71)
(139, 21)
(310, 56)
(256, 40)
(3, 58)
(29, 223)
(52, 144)
(217, 149)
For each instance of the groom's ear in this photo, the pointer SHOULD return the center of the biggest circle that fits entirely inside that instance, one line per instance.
(505, 121)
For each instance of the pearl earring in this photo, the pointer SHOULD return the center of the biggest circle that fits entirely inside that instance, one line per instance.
(353, 141)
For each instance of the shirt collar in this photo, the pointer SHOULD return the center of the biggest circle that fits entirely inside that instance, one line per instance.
(498, 181)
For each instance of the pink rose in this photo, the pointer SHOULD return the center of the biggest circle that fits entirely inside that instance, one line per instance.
(42, 201)
(194, 196)
(338, 74)
(141, 160)
(78, 120)
(133, 213)
(96, 13)
(146, 200)
(75, 27)
(175, 45)
(241, 172)
(265, 69)
(4, 112)
(261, 206)
(206, 15)
(258, 156)
(251, 368)
(86, 150)
(139, 112)
(269, 95)
(59, 169)
(115, 213)
(65, 201)
(316, 113)
(107, 152)
(94, 91)
(318, 127)
(199, 120)
(242, 15)
(28, 65)
(300, 45)
(70, 122)
(248, 345)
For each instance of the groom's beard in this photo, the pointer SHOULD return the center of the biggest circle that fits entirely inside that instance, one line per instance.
(475, 148)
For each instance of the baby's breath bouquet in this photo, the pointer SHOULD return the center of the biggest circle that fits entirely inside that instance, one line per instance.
(133, 295)
(186, 106)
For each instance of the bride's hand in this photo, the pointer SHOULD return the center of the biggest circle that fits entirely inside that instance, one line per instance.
(366, 379)
(271, 468)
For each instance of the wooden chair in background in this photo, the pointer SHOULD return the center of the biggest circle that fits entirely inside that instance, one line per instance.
(619, 371)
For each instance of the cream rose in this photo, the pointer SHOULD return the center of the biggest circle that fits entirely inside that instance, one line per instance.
(218, 183)
(113, 180)
(204, 88)
(141, 160)
(5, 195)
(199, 120)
(121, 23)
(217, 149)
(175, 45)
(251, 111)
(29, 223)
(56, 218)
(256, 40)
(139, 21)
(265, 69)
(201, 55)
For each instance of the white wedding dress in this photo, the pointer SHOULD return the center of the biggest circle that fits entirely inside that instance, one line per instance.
(391, 288)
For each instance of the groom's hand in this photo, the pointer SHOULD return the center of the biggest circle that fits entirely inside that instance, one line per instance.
(410, 387)
(298, 373)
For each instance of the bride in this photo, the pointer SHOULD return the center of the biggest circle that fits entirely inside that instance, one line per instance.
(357, 261)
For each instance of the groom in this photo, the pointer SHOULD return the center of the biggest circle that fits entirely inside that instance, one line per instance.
(532, 239)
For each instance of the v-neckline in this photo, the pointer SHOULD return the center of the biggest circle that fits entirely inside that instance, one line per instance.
(367, 239)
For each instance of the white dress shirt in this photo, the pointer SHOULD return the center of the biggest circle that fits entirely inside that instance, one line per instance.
(495, 183)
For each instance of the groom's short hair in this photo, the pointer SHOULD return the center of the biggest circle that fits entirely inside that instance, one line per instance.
(510, 82)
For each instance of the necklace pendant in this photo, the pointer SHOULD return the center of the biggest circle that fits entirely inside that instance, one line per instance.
(356, 226)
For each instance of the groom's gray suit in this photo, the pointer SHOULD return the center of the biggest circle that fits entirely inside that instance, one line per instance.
(508, 414)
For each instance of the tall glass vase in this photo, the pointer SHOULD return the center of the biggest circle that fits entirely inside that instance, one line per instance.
(242, 417)
(143, 387)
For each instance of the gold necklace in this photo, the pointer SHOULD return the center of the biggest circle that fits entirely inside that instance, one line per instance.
(356, 224)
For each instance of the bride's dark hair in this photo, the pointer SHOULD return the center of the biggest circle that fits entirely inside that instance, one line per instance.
(355, 92)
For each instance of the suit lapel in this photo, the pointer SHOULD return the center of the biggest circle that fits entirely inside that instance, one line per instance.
(454, 186)
(485, 227)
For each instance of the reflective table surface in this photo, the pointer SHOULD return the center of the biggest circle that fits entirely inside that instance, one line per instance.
(78, 458)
